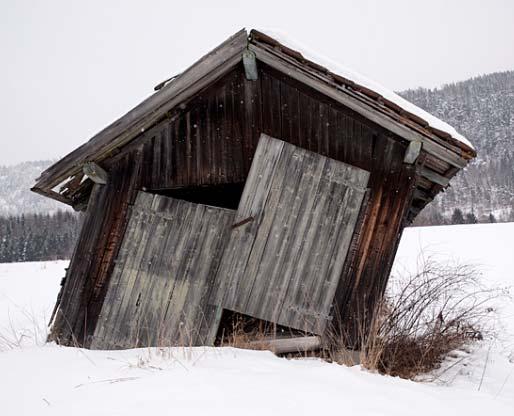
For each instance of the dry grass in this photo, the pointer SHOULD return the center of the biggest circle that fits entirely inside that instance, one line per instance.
(422, 319)
(31, 330)
(241, 331)
(425, 317)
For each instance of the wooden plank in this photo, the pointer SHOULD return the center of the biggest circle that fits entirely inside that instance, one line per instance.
(251, 204)
(286, 345)
(94, 172)
(419, 194)
(195, 314)
(337, 242)
(93, 257)
(412, 153)
(434, 177)
(272, 240)
(250, 65)
(277, 260)
(251, 121)
(124, 276)
(271, 107)
(62, 327)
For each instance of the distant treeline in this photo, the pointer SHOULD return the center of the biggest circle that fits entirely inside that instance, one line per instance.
(38, 237)
(458, 216)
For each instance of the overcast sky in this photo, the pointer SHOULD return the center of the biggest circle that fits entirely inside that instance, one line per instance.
(71, 67)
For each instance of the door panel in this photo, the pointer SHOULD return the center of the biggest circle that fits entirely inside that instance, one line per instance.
(159, 290)
(292, 232)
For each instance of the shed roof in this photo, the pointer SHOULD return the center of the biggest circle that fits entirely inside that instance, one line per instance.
(359, 82)
(61, 180)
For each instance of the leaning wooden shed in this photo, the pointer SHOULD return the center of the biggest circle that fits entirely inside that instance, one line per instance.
(257, 182)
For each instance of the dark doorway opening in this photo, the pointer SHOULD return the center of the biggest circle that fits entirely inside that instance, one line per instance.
(222, 196)
(237, 329)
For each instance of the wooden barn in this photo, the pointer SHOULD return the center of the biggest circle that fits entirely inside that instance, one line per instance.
(258, 183)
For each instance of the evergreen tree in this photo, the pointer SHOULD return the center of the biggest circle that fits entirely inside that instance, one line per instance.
(457, 216)
(38, 237)
(471, 218)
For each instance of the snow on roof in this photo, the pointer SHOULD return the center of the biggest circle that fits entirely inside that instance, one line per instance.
(363, 81)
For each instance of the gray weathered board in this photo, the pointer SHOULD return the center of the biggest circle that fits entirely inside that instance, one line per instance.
(297, 213)
(158, 292)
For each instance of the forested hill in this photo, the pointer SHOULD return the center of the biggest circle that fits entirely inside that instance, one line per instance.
(33, 228)
(15, 195)
(482, 109)
(37, 237)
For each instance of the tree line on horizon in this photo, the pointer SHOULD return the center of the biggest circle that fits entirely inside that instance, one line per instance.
(38, 237)
(42, 237)
(458, 216)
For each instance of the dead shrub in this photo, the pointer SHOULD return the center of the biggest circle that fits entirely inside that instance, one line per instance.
(423, 317)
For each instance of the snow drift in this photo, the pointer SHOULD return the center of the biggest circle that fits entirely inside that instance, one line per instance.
(48, 379)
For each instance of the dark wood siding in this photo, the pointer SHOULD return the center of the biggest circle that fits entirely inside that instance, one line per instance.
(212, 140)
(93, 259)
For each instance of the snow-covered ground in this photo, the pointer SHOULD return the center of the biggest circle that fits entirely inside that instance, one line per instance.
(38, 379)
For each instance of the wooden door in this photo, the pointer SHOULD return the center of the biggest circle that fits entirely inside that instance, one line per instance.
(158, 292)
(290, 237)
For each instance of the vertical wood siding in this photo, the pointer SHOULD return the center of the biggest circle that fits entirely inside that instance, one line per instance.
(212, 140)
(284, 265)
(93, 258)
(160, 286)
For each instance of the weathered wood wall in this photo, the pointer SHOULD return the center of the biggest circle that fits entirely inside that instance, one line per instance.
(159, 290)
(212, 140)
(284, 265)
(93, 259)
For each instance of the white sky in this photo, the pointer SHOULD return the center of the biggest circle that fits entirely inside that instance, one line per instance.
(69, 68)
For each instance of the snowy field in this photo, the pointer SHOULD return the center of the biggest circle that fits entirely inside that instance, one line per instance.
(39, 379)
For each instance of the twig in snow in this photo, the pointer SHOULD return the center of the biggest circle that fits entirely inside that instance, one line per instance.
(485, 366)
(110, 381)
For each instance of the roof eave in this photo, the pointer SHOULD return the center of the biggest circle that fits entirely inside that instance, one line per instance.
(213, 66)
(202, 73)
(271, 51)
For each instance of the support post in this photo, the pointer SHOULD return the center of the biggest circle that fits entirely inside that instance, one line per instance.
(412, 152)
(250, 64)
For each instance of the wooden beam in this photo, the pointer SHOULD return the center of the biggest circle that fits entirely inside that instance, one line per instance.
(51, 194)
(412, 152)
(419, 194)
(434, 177)
(285, 345)
(95, 173)
(350, 101)
(250, 65)
(80, 207)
